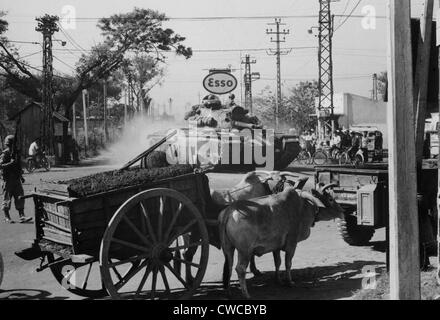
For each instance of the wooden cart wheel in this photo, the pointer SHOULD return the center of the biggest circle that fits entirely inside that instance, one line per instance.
(80, 279)
(149, 228)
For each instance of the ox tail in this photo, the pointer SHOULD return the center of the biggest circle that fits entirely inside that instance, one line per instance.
(227, 247)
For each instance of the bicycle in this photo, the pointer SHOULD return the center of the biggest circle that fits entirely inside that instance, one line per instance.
(357, 160)
(324, 155)
(304, 157)
(32, 164)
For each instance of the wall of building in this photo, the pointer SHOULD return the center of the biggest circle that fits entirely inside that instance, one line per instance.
(362, 111)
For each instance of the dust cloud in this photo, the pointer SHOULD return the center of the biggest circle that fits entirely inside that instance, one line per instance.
(135, 139)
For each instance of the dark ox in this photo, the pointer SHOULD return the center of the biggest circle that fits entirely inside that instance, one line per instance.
(271, 224)
(253, 185)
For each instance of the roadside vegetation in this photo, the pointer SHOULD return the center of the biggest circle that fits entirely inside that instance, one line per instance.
(429, 286)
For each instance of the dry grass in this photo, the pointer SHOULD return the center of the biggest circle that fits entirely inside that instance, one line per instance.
(113, 180)
(430, 288)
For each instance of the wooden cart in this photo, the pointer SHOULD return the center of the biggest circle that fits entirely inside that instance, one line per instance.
(127, 243)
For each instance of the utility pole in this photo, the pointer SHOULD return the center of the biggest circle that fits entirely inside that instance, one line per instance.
(171, 105)
(125, 109)
(47, 25)
(248, 82)
(325, 56)
(74, 121)
(403, 223)
(375, 88)
(278, 53)
(438, 196)
(86, 133)
(105, 111)
(130, 92)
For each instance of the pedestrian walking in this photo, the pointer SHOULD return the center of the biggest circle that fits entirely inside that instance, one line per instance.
(12, 181)
(364, 145)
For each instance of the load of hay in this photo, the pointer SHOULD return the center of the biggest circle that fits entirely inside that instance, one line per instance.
(118, 179)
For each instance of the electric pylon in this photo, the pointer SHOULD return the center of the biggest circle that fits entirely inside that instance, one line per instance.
(248, 82)
(47, 25)
(278, 53)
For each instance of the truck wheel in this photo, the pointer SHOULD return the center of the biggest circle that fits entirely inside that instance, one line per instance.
(354, 234)
(287, 156)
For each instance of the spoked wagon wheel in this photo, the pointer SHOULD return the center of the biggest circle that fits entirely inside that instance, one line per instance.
(149, 228)
(81, 279)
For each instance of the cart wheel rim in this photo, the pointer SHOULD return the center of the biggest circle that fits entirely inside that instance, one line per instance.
(344, 159)
(320, 158)
(30, 166)
(152, 244)
(79, 279)
(46, 164)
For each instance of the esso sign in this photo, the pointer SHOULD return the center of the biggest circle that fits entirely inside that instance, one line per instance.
(220, 83)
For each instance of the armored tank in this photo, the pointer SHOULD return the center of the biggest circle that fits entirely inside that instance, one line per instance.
(228, 137)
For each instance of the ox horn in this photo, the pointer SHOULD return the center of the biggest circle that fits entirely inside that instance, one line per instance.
(328, 186)
(313, 199)
(267, 173)
(288, 174)
(270, 174)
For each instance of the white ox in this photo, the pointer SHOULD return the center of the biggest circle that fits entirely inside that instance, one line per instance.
(271, 224)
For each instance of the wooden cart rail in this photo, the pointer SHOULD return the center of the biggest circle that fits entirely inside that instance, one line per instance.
(79, 223)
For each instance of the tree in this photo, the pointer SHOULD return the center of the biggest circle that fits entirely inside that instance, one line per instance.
(144, 73)
(295, 109)
(382, 85)
(302, 104)
(137, 32)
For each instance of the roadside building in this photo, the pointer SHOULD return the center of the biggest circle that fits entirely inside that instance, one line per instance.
(28, 121)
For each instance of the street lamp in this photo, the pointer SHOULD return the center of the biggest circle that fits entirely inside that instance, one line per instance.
(63, 43)
(310, 31)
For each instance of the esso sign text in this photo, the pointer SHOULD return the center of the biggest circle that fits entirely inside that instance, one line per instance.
(220, 83)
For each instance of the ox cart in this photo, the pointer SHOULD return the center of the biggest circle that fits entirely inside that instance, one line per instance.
(128, 242)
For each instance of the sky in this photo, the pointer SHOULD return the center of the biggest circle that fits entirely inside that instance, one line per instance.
(358, 51)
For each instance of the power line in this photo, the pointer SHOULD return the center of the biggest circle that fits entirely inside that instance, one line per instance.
(348, 17)
(220, 50)
(23, 42)
(68, 36)
(221, 18)
(345, 9)
(66, 64)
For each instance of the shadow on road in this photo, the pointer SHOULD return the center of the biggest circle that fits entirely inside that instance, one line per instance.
(28, 294)
(317, 283)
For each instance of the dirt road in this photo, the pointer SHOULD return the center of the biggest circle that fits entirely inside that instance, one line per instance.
(324, 266)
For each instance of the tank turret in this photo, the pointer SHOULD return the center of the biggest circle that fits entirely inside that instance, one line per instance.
(211, 113)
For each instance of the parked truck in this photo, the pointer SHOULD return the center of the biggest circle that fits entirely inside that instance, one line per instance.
(363, 193)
